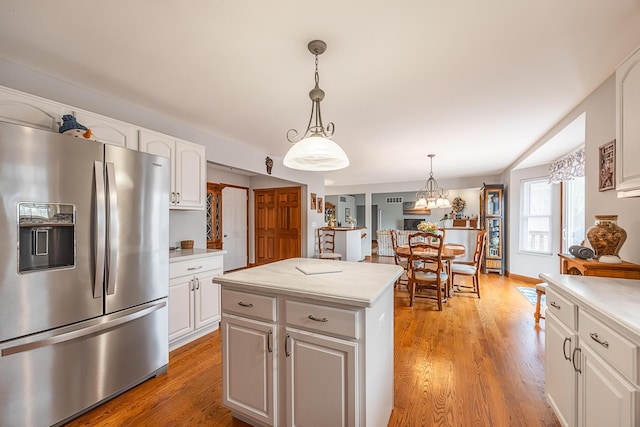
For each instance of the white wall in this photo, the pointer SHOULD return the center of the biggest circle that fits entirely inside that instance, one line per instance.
(218, 149)
(600, 109)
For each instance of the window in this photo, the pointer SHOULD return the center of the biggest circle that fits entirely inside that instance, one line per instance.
(535, 226)
(573, 232)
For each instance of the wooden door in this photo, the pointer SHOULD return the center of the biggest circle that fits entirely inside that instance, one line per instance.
(289, 220)
(278, 220)
(214, 215)
(265, 218)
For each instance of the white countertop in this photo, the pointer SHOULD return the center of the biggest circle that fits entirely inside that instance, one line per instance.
(357, 284)
(186, 254)
(617, 298)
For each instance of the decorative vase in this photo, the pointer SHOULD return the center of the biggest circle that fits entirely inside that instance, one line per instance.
(605, 236)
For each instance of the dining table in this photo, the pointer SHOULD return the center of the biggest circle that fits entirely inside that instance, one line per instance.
(450, 251)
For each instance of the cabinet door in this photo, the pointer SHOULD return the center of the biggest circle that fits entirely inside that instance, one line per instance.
(606, 398)
(180, 307)
(248, 368)
(28, 110)
(108, 130)
(160, 145)
(321, 377)
(560, 376)
(190, 175)
(207, 301)
(628, 127)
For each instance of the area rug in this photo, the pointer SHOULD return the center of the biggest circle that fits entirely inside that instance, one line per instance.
(530, 295)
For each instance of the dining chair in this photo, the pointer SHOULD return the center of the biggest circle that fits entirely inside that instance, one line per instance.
(471, 268)
(402, 261)
(326, 244)
(426, 269)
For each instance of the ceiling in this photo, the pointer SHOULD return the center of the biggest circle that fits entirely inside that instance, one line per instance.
(476, 83)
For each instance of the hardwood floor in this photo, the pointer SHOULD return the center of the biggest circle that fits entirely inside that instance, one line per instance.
(476, 363)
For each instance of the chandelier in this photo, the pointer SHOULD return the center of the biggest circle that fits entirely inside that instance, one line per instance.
(432, 196)
(315, 151)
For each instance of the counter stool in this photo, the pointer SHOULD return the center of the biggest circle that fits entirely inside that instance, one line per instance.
(541, 289)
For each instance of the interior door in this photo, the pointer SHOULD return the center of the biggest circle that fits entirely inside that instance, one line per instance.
(234, 227)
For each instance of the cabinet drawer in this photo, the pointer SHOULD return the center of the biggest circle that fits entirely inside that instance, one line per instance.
(194, 266)
(258, 306)
(328, 319)
(614, 348)
(562, 308)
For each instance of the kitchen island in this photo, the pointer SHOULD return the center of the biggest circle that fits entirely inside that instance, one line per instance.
(309, 342)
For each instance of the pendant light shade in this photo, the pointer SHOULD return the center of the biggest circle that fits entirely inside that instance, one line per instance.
(315, 151)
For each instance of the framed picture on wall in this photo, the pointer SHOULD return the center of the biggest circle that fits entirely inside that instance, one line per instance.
(313, 201)
(319, 205)
(347, 213)
(607, 166)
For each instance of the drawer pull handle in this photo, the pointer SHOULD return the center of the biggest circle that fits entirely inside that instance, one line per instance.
(194, 268)
(312, 317)
(594, 336)
(244, 304)
(270, 341)
(286, 345)
(554, 305)
(574, 359)
(564, 348)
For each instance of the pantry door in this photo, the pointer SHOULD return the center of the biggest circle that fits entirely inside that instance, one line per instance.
(235, 227)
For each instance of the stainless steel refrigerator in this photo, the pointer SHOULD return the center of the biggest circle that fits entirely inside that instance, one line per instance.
(84, 273)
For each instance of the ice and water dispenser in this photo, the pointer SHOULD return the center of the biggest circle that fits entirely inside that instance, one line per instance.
(47, 236)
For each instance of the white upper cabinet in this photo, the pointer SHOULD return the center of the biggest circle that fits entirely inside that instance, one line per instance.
(28, 110)
(188, 168)
(628, 127)
(109, 131)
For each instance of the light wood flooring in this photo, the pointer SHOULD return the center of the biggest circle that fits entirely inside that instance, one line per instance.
(479, 362)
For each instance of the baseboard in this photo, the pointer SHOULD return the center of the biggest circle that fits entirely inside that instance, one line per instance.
(179, 342)
(524, 279)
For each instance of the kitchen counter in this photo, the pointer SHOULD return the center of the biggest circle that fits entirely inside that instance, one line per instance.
(615, 299)
(357, 284)
(186, 254)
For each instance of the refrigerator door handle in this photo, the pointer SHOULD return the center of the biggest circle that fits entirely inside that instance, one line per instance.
(112, 235)
(84, 331)
(98, 170)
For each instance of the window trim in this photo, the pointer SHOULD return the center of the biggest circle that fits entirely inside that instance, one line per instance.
(525, 202)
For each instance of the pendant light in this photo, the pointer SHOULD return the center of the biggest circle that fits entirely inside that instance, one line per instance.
(432, 196)
(315, 151)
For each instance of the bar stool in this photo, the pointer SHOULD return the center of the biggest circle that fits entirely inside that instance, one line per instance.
(541, 289)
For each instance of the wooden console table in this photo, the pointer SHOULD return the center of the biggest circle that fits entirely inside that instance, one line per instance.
(582, 267)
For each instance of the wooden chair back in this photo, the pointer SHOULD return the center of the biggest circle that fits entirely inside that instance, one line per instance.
(426, 269)
(326, 240)
(481, 242)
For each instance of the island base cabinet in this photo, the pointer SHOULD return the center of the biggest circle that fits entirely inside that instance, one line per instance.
(606, 398)
(248, 369)
(560, 377)
(320, 380)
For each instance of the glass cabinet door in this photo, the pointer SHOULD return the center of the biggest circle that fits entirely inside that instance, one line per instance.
(494, 238)
(493, 200)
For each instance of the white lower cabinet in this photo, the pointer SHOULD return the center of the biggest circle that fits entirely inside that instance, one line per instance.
(592, 370)
(299, 362)
(320, 380)
(194, 299)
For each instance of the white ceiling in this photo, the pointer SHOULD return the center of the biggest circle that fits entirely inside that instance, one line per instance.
(475, 82)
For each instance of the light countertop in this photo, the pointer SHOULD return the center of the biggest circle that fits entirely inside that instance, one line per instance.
(356, 284)
(186, 254)
(616, 298)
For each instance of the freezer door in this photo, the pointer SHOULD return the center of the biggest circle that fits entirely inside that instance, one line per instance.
(137, 249)
(46, 169)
